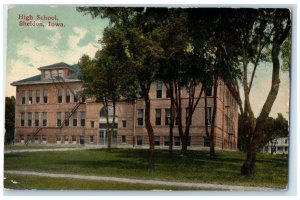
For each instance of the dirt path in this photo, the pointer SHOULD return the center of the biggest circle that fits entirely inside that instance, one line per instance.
(147, 182)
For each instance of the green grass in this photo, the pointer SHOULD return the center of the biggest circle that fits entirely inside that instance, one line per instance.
(196, 166)
(22, 182)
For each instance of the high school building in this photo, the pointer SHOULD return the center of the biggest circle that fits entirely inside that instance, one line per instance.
(49, 111)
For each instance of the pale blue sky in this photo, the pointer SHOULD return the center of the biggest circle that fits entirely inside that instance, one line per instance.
(31, 47)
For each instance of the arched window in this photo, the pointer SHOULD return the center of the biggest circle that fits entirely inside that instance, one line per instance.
(110, 112)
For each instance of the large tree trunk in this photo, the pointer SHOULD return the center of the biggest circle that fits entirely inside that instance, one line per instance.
(249, 165)
(172, 116)
(111, 128)
(149, 129)
(214, 113)
(179, 116)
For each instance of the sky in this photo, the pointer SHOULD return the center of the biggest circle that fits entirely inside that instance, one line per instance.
(30, 47)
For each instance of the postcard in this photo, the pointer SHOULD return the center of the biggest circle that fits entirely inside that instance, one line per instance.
(147, 98)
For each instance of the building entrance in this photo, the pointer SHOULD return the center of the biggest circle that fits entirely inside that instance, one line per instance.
(103, 131)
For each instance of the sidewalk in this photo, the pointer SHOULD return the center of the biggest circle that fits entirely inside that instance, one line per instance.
(202, 186)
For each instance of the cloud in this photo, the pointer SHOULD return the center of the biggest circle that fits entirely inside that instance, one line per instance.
(30, 54)
(74, 39)
(55, 39)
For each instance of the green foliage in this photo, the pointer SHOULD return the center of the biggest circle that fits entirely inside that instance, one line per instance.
(286, 54)
(273, 128)
(9, 119)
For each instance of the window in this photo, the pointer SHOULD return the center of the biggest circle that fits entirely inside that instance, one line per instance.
(29, 138)
(37, 119)
(124, 124)
(188, 141)
(59, 95)
(166, 140)
(124, 139)
(140, 117)
(75, 119)
(208, 90)
(168, 91)
(74, 141)
(22, 119)
(44, 119)
(158, 117)
(23, 96)
(44, 139)
(67, 118)
(206, 141)
(37, 96)
(285, 149)
(67, 139)
(59, 117)
(82, 119)
(115, 137)
(22, 138)
(30, 97)
(285, 141)
(158, 89)
(167, 116)
(92, 139)
(45, 96)
(92, 124)
(54, 73)
(58, 139)
(177, 140)
(75, 95)
(29, 119)
(157, 141)
(187, 117)
(209, 116)
(61, 73)
(36, 139)
(47, 74)
(68, 96)
(139, 140)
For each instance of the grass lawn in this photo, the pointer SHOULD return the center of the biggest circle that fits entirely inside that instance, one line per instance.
(21, 182)
(196, 166)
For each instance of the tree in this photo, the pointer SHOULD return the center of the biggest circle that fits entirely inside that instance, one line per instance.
(257, 31)
(138, 25)
(9, 119)
(107, 77)
(274, 129)
(212, 46)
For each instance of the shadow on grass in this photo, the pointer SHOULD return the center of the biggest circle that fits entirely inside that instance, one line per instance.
(14, 155)
(100, 164)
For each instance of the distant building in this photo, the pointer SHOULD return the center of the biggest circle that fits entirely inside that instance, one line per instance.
(49, 111)
(277, 146)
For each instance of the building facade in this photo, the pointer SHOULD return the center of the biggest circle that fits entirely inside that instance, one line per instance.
(49, 111)
(277, 146)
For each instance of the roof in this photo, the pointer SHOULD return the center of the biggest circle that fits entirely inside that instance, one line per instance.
(37, 79)
(59, 65)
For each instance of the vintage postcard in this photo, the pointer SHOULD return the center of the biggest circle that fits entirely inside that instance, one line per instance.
(147, 98)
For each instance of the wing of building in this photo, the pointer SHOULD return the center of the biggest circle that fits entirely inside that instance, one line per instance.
(50, 111)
